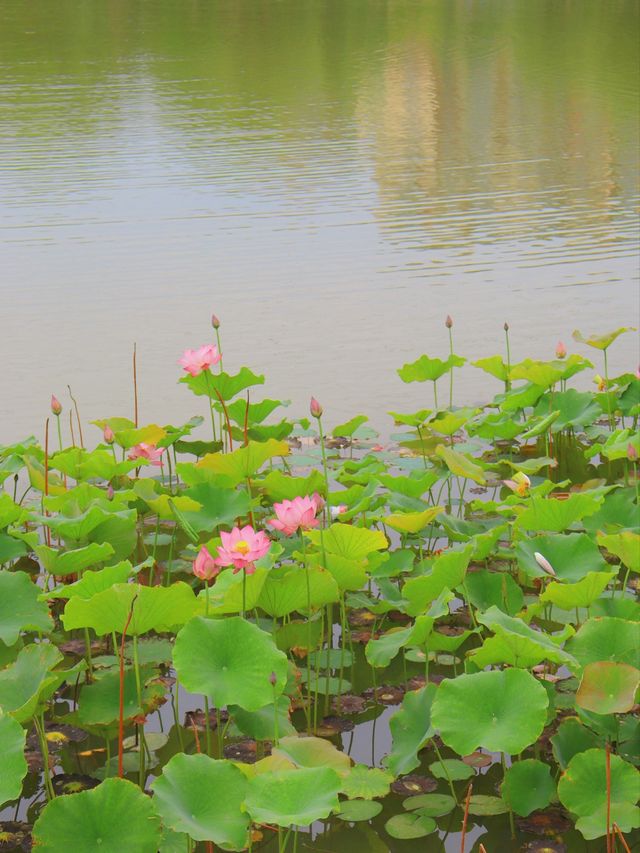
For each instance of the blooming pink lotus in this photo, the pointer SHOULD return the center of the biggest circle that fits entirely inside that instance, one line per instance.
(296, 514)
(241, 548)
(194, 361)
(147, 451)
(204, 565)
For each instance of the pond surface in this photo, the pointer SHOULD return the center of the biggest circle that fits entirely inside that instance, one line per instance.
(330, 179)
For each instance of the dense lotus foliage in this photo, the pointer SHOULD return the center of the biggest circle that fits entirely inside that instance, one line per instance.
(282, 634)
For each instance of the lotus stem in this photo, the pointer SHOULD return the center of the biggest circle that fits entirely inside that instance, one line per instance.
(610, 836)
(446, 772)
(465, 817)
(207, 724)
(451, 368)
(135, 386)
(211, 412)
(44, 749)
(306, 571)
(121, 700)
(625, 846)
(226, 415)
(75, 406)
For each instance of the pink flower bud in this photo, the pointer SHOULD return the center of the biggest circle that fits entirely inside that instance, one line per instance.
(204, 565)
(315, 408)
(632, 453)
(108, 435)
(506, 327)
(215, 322)
(56, 405)
(273, 678)
(544, 564)
(110, 492)
(448, 322)
(561, 350)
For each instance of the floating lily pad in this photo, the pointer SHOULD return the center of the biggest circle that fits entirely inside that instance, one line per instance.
(357, 810)
(528, 786)
(411, 825)
(430, 805)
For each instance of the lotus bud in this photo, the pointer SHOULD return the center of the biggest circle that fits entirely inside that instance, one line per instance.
(506, 327)
(599, 381)
(204, 565)
(632, 453)
(108, 435)
(56, 405)
(448, 322)
(315, 408)
(215, 322)
(110, 492)
(561, 350)
(544, 564)
(273, 679)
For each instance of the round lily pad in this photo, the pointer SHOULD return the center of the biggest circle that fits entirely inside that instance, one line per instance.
(528, 786)
(451, 768)
(432, 805)
(113, 817)
(483, 804)
(411, 825)
(356, 810)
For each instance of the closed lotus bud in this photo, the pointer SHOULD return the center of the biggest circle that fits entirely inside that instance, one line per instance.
(506, 327)
(315, 408)
(108, 435)
(448, 322)
(561, 350)
(544, 564)
(632, 453)
(56, 405)
(215, 322)
(110, 492)
(273, 678)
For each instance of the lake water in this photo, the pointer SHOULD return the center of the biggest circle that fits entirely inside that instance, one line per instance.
(331, 179)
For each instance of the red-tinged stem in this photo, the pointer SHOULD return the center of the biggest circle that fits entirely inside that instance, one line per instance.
(121, 703)
(135, 387)
(626, 847)
(46, 473)
(482, 849)
(195, 734)
(73, 438)
(246, 422)
(610, 836)
(466, 815)
(226, 416)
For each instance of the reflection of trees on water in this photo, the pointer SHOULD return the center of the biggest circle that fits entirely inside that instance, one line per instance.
(459, 111)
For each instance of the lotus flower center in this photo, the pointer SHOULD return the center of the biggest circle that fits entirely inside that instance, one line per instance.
(242, 547)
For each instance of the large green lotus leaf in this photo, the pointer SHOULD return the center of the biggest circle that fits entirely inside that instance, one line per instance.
(414, 419)
(206, 383)
(63, 563)
(572, 555)
(601, 341)
(204, 798)
(281, 596)
(494, 589)
(296, 634)
(353, 543)
(256, 413)
(111, 818)
(226, 594)
(557, 515)
(85, 465)
(501, 711)
(494, 365)
(217, 506)
(566, 596)
(93, 582)
(575, 409)
(538, 426)
(412, 522)
(245, 462)
(347, 429)
(608, 687)
(366, 782)
(156, 608)
(13, 766)
(542, 373)
(520, 398)
(78, 527)
(313, 752)
(413, 486)
(278, 486)
(261, 724)
(606, 638)
(496, 425)
(20, 609)
(99, 703)
(11, 548)
(35, 469)
(460, 464)
(427, 369)
(230, 660)
(625, 545)
(448, 572)
(119, 530)
(582, 789)
(129, 436)
(571, 738)
(528, 786)
(10, 512)
(29, 679)
(348, 574)
(410, 729)
(517, 644)
(293, 797)
(382, 651)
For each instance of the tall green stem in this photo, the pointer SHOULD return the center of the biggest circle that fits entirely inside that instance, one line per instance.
(451, 369)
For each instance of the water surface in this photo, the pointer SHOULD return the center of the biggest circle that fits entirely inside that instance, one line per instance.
(331, 179)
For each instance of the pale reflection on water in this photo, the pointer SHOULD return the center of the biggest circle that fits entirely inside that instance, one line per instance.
(330, 180)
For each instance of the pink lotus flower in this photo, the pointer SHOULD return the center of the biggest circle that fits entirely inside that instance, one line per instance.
(194, 361)
(56, 405)
(296, 514)
(241, 548)
(204, 565)
(147, 451)
(561, 350)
